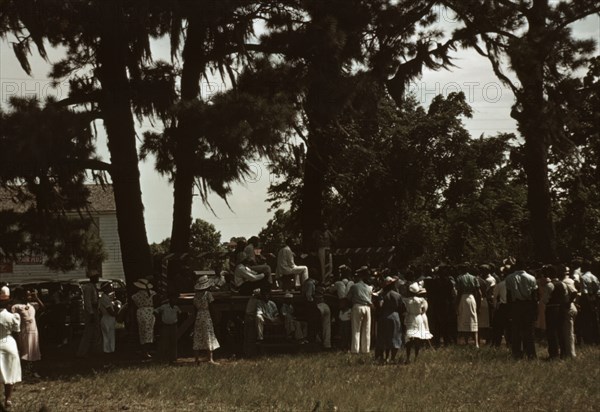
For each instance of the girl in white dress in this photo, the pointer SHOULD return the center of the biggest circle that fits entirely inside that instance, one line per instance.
(417, 325)
(10, 364)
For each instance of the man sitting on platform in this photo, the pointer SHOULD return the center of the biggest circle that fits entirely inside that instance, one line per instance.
(253, 260)
(286, 266)
(246, 280)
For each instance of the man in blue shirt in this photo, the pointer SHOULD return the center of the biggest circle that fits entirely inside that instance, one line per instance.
(521, 293)
(360, 295)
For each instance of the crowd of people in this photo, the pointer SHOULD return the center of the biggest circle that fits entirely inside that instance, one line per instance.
(509, 301)
(19, 341)
(357, 310)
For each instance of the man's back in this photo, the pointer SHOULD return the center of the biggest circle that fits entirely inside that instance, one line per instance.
(520, 285)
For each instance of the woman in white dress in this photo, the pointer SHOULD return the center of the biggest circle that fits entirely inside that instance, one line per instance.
(144, 300)
(10, 364)
(204, 333)
(417, 325)
(27, 305)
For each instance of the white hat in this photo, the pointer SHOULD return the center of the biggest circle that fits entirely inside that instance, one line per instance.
(288, 296)
(388, 280)
(4, 293)
(143, 284)
(415, 288)
(202, 283)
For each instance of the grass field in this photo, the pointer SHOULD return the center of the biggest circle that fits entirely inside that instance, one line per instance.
(456, 379)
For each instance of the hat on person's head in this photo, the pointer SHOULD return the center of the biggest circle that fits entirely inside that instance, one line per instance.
(363, 270)
(4, 293)
(288, 296)
(202, 283)
(416, 288)
(388, 281)
(143, 284)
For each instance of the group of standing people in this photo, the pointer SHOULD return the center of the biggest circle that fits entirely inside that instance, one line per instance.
(19, 339)
(449, 304)
(101, 310)
(168, 312)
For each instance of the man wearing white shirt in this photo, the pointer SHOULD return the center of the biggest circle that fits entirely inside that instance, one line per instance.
(287, 267)
(246, 280)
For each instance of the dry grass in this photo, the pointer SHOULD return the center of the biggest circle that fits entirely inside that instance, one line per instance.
(457, 379)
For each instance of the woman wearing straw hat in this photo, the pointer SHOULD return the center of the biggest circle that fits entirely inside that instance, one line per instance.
(204, 334)
(10, 365)
(144, 300)
(389, 327)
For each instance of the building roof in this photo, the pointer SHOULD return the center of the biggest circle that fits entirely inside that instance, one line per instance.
(101, 199)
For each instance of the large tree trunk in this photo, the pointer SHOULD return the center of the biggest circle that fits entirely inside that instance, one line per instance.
(193, 66)
(539, 200)
(324, 101)
(118, 120)
(312, 191)
(527, 56)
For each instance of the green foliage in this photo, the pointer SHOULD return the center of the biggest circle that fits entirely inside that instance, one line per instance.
(204, 238)
(445, 379)
(44, 151)
(205, 241)
(230, 129)
(279, 228)
(415, 179)
(576, 173)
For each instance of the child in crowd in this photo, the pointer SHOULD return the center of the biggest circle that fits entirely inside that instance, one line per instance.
(292, 326)
(169, 314)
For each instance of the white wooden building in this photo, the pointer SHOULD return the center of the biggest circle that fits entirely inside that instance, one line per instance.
(102, 210)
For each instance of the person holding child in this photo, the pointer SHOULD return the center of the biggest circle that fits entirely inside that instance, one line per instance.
(204, 334)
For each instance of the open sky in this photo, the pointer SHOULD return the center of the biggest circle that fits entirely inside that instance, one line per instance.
(248, 212)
